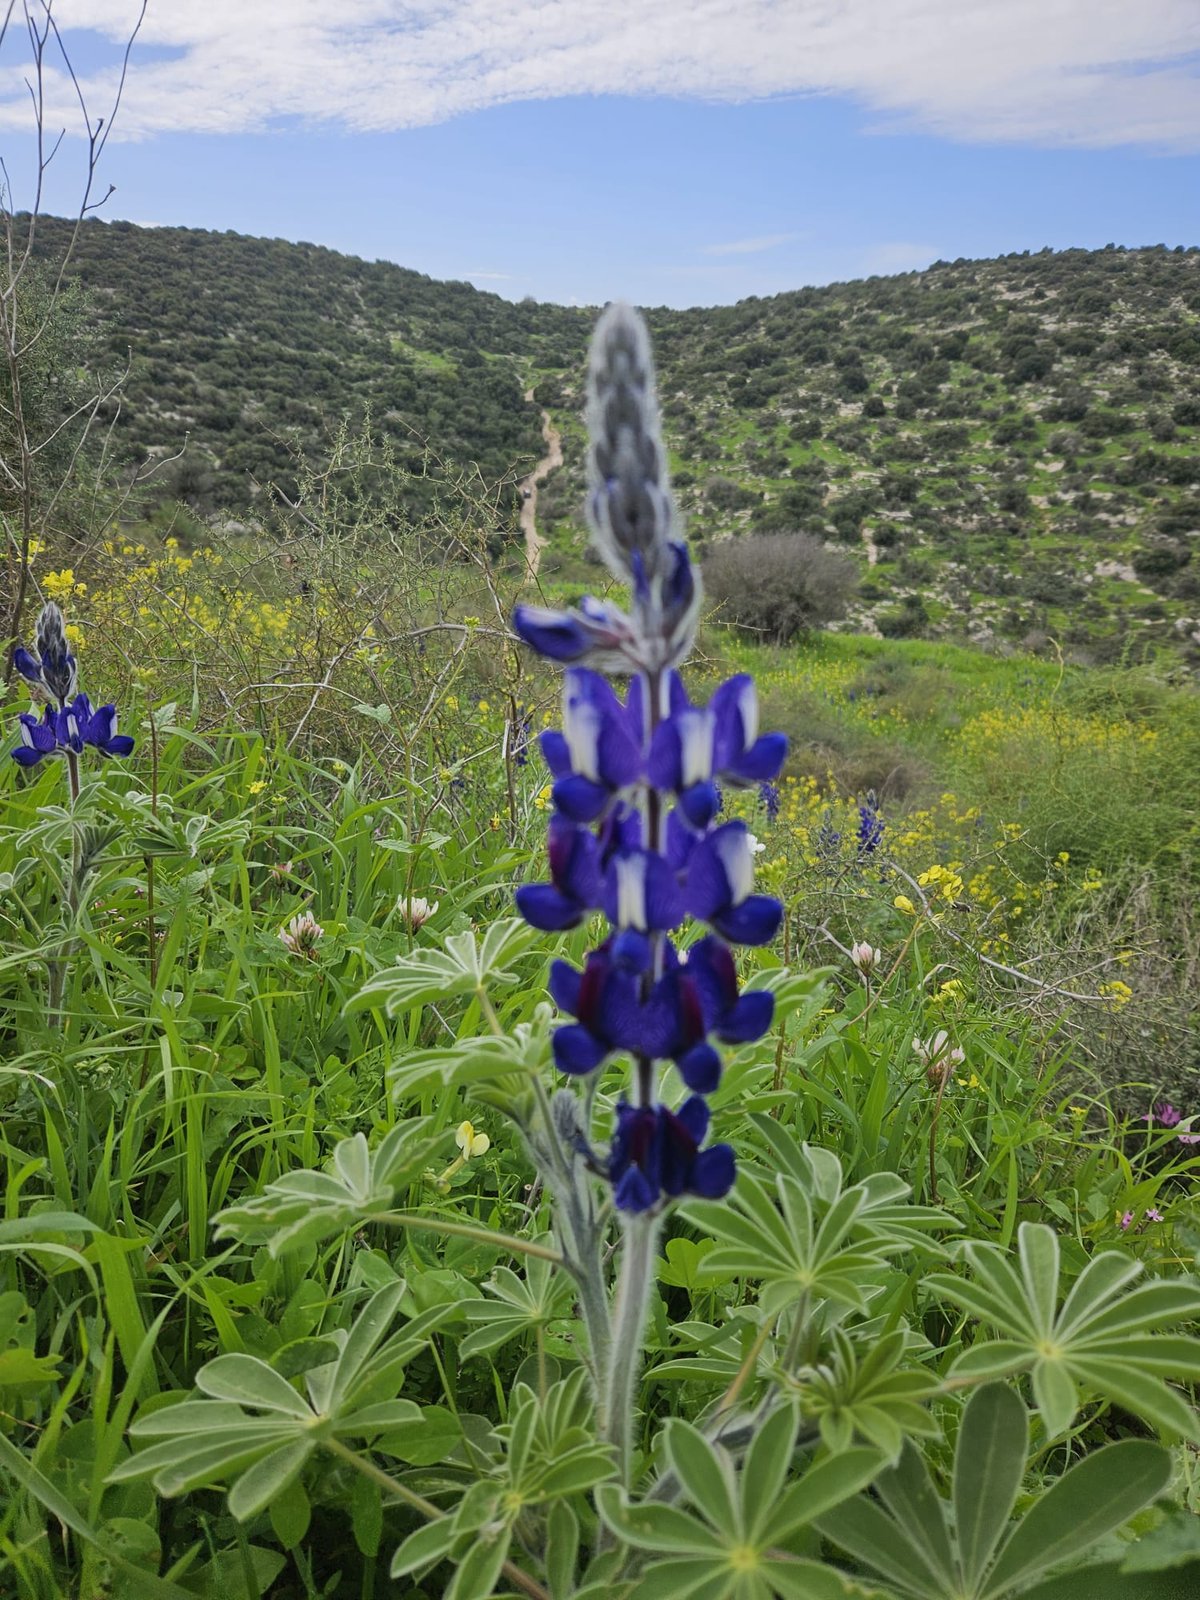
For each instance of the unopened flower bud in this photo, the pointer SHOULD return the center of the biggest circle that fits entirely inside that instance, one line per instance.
(865, 958)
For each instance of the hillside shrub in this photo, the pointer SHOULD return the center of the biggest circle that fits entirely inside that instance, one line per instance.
(779, 585)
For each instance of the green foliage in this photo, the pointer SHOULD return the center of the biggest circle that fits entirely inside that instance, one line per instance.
(1099, 1334)
(736, 1543)
(968, 1548)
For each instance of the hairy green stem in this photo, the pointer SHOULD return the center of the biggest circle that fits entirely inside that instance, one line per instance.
(628, 1327)
(56, 987)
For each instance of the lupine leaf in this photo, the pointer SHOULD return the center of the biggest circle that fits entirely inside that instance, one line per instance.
(652, 1527)
(706, 1478)
(993, 1441)
(1091, 1499)
(461, 967)
(260, 1484)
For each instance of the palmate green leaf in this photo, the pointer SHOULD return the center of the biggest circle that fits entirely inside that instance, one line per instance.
(256, 1432)
(1092, 1498)
(730, 1545)
(304, 1208)
(864, 1389)
(988, 1467)
(520, 1305)
(805, 1234)
(524, 1052)
(464, 966)
(924, 1552)
(1105, 1339)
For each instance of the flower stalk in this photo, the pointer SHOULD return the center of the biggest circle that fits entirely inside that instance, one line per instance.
(67, 726)
(635, 836)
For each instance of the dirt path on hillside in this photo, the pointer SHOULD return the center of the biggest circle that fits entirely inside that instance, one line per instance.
(871, 547)
(528, 489)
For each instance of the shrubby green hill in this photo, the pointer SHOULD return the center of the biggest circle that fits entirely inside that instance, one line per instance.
(1010, 448)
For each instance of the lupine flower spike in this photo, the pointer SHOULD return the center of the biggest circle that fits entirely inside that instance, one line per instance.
(636, 795)
(68, 723)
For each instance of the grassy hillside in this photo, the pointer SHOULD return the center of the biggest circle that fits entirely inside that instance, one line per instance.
(1010, 447)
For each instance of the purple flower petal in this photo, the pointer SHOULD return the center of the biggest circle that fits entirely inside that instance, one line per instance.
(580, 798)
(576, 1051)
(565, 983)
(554, 634)
(756, 921)
(748, 1019)
(544, 907)
(713, 1172)
(761, 762)
(700, 1068)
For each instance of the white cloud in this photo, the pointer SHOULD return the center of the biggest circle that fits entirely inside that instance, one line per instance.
(748, 247)
(1066, 72)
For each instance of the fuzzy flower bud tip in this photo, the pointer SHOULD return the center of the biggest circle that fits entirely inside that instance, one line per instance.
(630, 510)
(51, 669)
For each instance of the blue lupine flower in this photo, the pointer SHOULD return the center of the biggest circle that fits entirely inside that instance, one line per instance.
(39, 737)
(828, 841)
(97, 728)
(577, 883)
(594, 631)
(734, 1018)
(53, 670)
(641, 892)
(599, 633)
(870, 824)
(656, 1152)
(720, 876)
(648, 865)
(597, 753)
(694, 745)
(613, 1013)
(69, 727)
(768, 794)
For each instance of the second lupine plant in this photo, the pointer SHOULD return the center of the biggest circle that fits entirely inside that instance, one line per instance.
(635, 836)
(68, 725)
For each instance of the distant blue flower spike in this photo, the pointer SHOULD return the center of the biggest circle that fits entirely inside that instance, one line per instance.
(870, 825)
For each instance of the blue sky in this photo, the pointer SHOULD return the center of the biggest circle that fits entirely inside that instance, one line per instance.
(693, 182)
